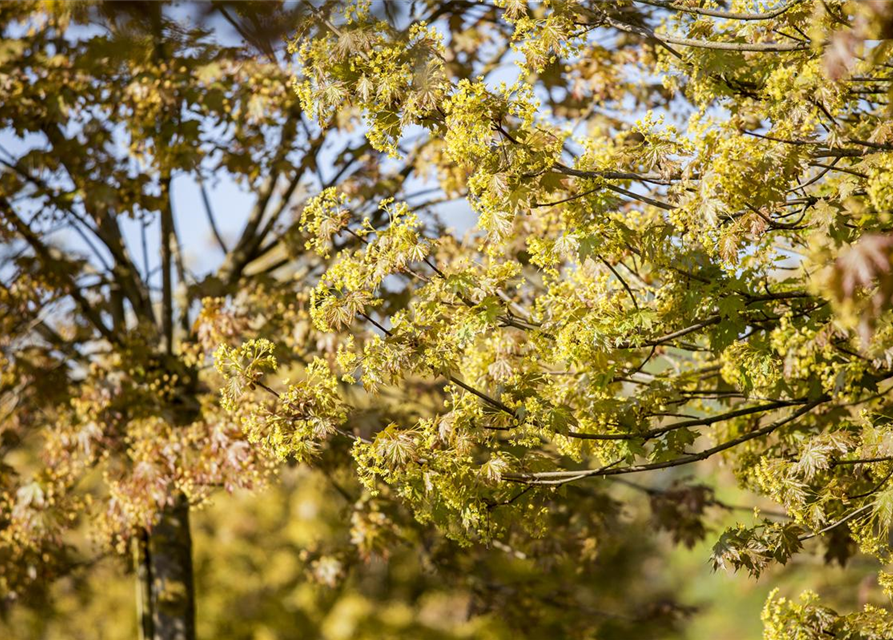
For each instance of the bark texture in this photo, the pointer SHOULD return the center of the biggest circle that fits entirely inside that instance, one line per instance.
(165, 585)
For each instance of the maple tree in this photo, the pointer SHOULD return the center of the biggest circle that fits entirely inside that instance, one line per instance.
(680, 261)
(704, 276)
(111, 106)
(112, 427)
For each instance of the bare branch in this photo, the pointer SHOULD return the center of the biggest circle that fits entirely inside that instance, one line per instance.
(167, 301)
(45, 255)
(210, 213)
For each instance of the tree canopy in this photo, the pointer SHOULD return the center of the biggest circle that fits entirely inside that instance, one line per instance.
(511, 269)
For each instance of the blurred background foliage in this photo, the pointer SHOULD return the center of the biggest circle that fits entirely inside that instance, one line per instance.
(271, 566)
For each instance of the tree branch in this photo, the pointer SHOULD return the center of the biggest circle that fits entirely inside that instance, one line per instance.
(554, 478)
(718, 13)
(210, 213)
(167, 301)
(48, 260)
(686, 424)
(707, 44)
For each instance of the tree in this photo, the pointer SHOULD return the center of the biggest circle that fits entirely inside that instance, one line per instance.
(112, 108)
(682, 258)
(680, 263)
(111, 416)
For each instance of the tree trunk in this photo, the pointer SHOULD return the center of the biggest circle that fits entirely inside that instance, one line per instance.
(143, 585)
(165, 589)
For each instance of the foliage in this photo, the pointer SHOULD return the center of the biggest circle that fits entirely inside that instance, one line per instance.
(680, 263)
(702, 277)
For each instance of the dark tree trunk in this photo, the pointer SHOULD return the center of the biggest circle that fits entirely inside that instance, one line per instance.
(143, 585)
(165, 589)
